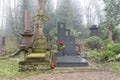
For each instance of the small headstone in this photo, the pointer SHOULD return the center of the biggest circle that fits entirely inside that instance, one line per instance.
(94, 30)
(11, 43)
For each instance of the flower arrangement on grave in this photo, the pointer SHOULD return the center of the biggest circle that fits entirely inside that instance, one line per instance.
(61, 45)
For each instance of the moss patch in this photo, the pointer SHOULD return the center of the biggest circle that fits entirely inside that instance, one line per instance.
(37, 55)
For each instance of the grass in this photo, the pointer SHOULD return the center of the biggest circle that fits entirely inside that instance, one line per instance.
(114, 66)
(9, 70)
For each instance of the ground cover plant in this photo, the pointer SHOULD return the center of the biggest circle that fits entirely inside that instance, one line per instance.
(9, 69)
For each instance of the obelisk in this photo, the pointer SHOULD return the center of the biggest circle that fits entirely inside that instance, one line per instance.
(27, 35)
(27, 21)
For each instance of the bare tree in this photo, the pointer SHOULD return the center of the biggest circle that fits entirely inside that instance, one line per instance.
(3, 16)
(92, 12)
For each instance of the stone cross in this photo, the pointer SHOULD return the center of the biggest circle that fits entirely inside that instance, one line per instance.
(40, 17)
(41, 5)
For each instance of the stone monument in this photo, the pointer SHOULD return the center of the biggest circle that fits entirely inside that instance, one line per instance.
(70, 55)
(27, 34)
(64, 35)
(40, 18)
(93, 30)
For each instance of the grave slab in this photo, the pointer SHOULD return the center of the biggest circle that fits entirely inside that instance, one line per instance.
(71, 61)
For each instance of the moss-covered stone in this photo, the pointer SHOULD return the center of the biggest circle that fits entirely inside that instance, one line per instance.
(37, 55)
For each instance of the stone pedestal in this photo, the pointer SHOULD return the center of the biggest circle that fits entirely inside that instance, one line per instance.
(26, 38)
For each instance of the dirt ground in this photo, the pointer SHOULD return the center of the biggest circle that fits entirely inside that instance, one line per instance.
(94, 75)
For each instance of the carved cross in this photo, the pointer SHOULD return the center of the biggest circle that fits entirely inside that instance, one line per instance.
(41, 5)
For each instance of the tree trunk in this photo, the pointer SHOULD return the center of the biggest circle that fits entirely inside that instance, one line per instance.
(110, 33)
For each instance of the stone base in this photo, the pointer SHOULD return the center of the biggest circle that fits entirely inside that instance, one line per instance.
(71, 61)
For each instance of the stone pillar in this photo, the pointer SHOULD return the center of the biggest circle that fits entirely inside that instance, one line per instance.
(27, 21)
(27, 35)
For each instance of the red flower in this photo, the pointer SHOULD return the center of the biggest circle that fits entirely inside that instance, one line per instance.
(60, 44)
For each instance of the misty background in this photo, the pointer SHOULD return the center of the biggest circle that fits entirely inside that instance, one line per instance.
(78, 15)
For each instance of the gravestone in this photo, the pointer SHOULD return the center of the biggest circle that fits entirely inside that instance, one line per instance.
(93, 30)
(70, 55)
(68, 40)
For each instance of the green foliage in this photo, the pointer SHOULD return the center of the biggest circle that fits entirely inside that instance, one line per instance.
(8, 68)
(116, 33)
(116, 48)
(111, 19)
(101, 56)
(109, 46)
(93, 41)
(112, 10)
(103, 31)
(53, 36)
(106, 56)
(106, 41)
(91, 54)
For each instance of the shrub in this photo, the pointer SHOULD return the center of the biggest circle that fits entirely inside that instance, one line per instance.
(93, 42)
(109, 46)
(91, 54)
(106, 41)
(116, 48)
(106, 56)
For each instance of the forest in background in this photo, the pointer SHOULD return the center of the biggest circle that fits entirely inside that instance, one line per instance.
(76, 15)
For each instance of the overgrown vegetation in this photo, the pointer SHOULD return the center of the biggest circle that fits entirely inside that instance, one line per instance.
(109, 57)
(9, 69)
(116, 48)
(93, 42)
